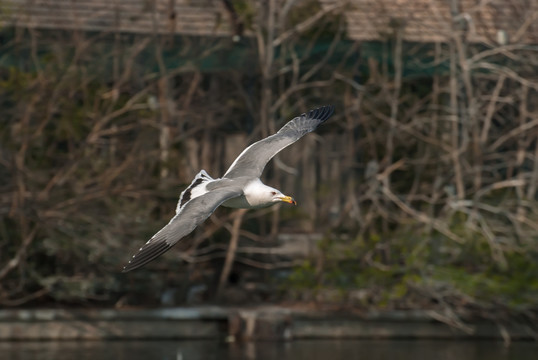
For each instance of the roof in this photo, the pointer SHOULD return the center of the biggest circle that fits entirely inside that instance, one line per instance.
(199, 17)
(485, 21)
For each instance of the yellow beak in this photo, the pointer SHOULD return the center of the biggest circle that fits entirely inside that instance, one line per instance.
(288, 199)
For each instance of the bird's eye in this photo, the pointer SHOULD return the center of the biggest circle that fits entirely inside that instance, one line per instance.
(273, 192)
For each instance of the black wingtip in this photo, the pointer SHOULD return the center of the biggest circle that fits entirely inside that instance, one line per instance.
(146, 254)
(129, 267)
(321, 113)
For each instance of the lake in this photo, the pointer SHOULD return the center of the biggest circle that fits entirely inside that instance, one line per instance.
(298, 349)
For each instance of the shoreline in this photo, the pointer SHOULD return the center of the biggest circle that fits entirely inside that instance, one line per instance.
(264, 322)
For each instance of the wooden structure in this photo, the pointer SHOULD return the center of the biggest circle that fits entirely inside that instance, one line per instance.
(201, 17)
(493, 22)
(490, 22)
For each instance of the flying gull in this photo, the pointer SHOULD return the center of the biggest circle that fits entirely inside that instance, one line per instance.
(240, 187)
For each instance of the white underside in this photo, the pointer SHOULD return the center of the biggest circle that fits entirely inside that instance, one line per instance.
(256, 195)
(239, 202)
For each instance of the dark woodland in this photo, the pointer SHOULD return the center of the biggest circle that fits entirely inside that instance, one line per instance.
(419, 193)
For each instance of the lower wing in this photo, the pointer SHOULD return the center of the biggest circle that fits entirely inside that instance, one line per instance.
(191, 215)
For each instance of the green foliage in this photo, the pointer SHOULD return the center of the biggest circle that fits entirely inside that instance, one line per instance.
(244, 9)
(303, 277)
(516, 286)
(392, 281)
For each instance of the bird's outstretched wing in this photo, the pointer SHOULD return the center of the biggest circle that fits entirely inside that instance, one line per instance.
(253, 159)
(191, 215)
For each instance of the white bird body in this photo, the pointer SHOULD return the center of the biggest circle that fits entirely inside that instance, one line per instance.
(257, 195)
(240, 187)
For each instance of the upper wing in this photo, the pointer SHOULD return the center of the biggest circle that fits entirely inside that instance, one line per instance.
(254, 158)
(192, 213)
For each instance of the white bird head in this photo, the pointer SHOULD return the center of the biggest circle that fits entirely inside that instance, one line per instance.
(277, 196)
(258, 195)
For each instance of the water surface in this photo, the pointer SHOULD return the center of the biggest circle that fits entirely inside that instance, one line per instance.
(299, 349)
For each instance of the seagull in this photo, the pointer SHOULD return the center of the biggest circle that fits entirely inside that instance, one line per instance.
(239, 187)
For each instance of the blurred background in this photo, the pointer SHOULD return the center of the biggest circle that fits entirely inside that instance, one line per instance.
(419, 193)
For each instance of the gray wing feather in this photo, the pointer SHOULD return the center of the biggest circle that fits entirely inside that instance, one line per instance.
(253, 159)
(191, 215)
